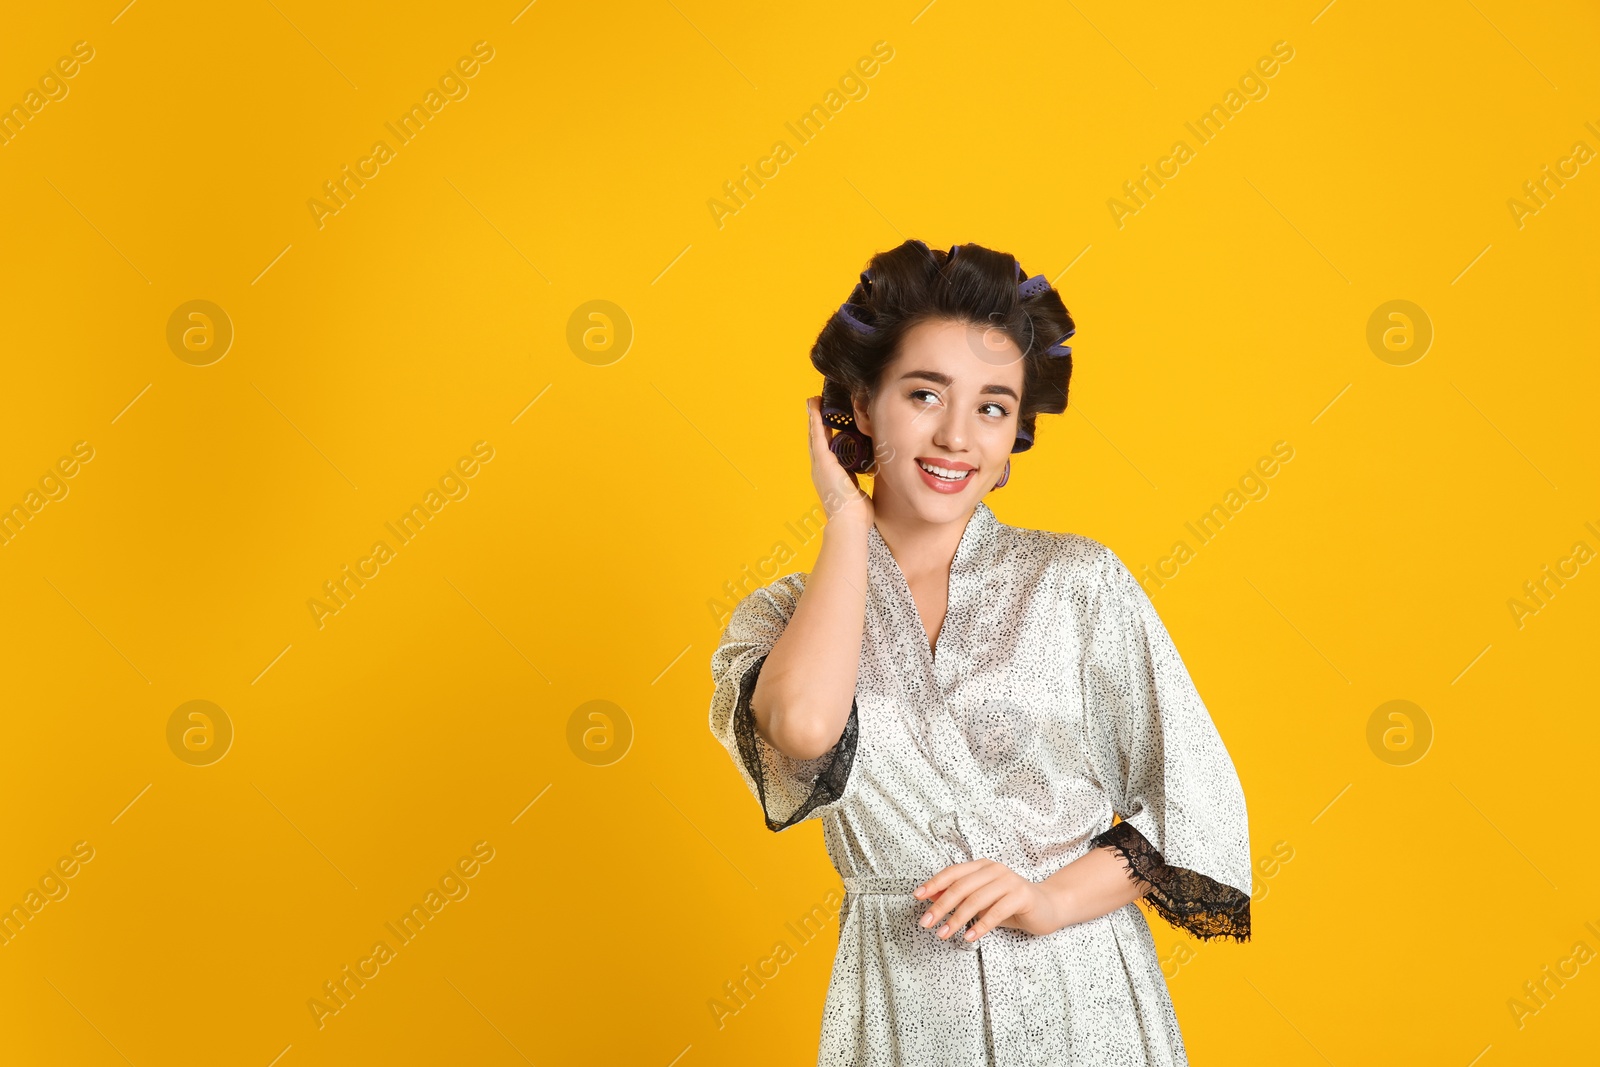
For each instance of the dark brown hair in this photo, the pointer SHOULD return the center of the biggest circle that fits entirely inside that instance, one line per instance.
(911, 284)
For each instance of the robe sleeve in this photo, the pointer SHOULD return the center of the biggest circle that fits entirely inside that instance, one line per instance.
(1171, 781)
(789, 790)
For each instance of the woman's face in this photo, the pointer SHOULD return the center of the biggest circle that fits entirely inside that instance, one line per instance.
(949, 400)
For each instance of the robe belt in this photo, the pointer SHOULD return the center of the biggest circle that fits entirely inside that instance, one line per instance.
(895, 885)
(890, 884)
(998, 960)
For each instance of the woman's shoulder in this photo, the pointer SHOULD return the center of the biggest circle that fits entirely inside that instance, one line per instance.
(760, 614)
(1078, 570)
(781, 593)
(1063, 553)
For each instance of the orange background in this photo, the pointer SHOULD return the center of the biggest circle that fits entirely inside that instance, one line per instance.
(641, 466)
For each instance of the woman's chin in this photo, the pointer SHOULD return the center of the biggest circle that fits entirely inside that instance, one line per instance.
(937, 508)
(926, 502)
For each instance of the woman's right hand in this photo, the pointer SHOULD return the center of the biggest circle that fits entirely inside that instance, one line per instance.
(839, 489)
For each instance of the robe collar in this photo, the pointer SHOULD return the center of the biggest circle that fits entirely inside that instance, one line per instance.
(981, 533)
(923, 674)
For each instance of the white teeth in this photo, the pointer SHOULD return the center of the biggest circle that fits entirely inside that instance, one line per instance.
(941, 472)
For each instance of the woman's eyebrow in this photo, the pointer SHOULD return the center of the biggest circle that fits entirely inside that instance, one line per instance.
(945, 379)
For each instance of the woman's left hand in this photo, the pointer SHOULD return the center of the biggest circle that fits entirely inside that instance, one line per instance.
(993, 892)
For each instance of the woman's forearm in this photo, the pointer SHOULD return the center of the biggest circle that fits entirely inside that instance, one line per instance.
(1090, 886)
(805, 690)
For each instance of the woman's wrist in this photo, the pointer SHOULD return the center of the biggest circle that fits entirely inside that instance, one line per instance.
(1095, 884)
(1060, 901)
(849, 520)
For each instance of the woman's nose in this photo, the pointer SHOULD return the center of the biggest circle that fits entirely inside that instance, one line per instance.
(951, 432)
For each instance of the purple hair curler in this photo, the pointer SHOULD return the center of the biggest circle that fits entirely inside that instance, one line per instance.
(850, 446)
(857, 314)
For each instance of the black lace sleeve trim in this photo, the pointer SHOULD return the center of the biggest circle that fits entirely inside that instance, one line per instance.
(830, 782)
(1187, 899)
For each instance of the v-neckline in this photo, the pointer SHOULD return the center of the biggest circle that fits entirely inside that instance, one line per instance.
(977, 523)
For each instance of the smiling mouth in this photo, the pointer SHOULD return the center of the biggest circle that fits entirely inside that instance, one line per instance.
(946, 474)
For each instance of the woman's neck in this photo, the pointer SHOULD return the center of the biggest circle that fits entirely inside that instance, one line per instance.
(920, 547)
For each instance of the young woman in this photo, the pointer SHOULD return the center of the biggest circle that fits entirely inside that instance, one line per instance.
(966, 704)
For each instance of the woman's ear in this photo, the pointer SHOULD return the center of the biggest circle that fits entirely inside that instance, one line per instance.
(863, 420)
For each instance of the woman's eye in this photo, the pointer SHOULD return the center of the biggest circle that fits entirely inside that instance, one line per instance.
(993, 409)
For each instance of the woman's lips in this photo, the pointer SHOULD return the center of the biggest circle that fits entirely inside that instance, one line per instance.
(943, 485)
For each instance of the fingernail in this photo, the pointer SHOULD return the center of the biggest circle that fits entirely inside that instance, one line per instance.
(945, 929)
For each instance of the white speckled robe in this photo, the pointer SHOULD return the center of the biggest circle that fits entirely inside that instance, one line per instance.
(1054, 698)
